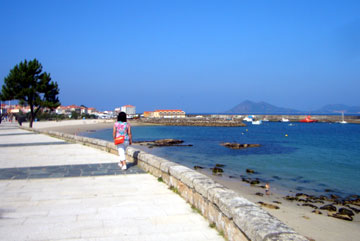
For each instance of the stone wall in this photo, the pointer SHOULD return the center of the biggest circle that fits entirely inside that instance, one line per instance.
(234, 216)
(192, 122)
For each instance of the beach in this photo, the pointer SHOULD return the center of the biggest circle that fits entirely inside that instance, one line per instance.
(312, 225)
(75, 127)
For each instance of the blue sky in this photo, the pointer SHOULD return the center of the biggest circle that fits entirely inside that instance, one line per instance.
(199, 56)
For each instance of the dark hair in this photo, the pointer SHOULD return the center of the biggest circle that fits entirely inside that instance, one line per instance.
(122, 117)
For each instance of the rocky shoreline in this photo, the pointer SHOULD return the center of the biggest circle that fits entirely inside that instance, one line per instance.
(330, 205)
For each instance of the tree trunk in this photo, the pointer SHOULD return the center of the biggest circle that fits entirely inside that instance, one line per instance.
(31, 116)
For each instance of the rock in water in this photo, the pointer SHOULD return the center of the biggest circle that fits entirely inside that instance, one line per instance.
(168, 142)
(238, 146)
(290, 198)
(217, 170)
(254, 182)
(198, 167)
(162, 142)
(316, 211)
(356, 210)
(329, 207)
(247, 180)
(219, 165)
(268, 205)
(250, 171)
(342, 216)
(309, 205)
(346, 212)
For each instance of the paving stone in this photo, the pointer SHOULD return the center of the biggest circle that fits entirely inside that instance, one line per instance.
(86, 208)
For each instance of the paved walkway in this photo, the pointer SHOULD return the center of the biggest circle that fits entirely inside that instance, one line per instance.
(53, 190)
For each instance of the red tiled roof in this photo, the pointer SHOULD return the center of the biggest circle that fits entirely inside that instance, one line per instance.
(128, 106)
(73, 106)
(169, 111)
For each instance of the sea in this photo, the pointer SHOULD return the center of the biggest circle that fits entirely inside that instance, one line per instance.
(312, 158)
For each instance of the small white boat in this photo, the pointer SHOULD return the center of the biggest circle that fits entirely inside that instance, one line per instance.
(265, 119)
(284, 120)
(342, 119)
(256, 122)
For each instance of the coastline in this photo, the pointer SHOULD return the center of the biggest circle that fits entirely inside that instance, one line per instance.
(74, 127)
(300, 218)
(314, 226)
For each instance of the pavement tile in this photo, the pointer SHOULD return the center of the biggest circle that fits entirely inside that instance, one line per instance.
(41, 203)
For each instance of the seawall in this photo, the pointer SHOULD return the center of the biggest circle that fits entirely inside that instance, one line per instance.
(193, 121)
(232, 214)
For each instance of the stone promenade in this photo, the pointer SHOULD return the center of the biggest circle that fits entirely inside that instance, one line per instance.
(54, 190)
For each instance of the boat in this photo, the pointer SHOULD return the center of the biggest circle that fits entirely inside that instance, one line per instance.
(265, 119)
(342, 119)
(308, 120)
(284, 119)
(256, 122)
(248, 118)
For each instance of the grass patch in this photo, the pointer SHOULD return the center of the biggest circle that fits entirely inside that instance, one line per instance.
(196, 209)
(174, 189)
(212, 225)
(160, 179)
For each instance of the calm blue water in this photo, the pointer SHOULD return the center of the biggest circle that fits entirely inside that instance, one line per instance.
(312, 158)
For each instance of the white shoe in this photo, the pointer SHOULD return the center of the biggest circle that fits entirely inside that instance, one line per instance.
(124, 167)
(120, 165)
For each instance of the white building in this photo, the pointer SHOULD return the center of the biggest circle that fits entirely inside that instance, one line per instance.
(129, 110)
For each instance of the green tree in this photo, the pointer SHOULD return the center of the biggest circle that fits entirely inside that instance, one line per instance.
(74, 115)
(29, 85)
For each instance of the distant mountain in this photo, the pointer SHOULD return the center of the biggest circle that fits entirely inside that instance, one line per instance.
(338, 108)
(249, 107)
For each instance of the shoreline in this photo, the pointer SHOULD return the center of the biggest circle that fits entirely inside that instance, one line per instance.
(79, 126)
(300, 218)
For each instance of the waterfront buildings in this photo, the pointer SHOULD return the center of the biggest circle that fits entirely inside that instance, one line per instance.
(165, 114)
(130, 110)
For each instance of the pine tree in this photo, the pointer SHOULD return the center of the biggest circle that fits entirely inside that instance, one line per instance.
(29, 85)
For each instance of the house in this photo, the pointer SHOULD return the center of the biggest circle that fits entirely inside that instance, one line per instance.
(169, 114)
(74, 108)
(83, 110)
(148, 114)
(129, 110)
(4, 108)
(19, 109)
(91, 111)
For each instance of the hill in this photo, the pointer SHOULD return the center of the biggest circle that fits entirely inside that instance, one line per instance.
(249, 107)
(338, 108)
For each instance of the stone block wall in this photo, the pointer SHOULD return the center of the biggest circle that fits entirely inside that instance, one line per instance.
(234, 216)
